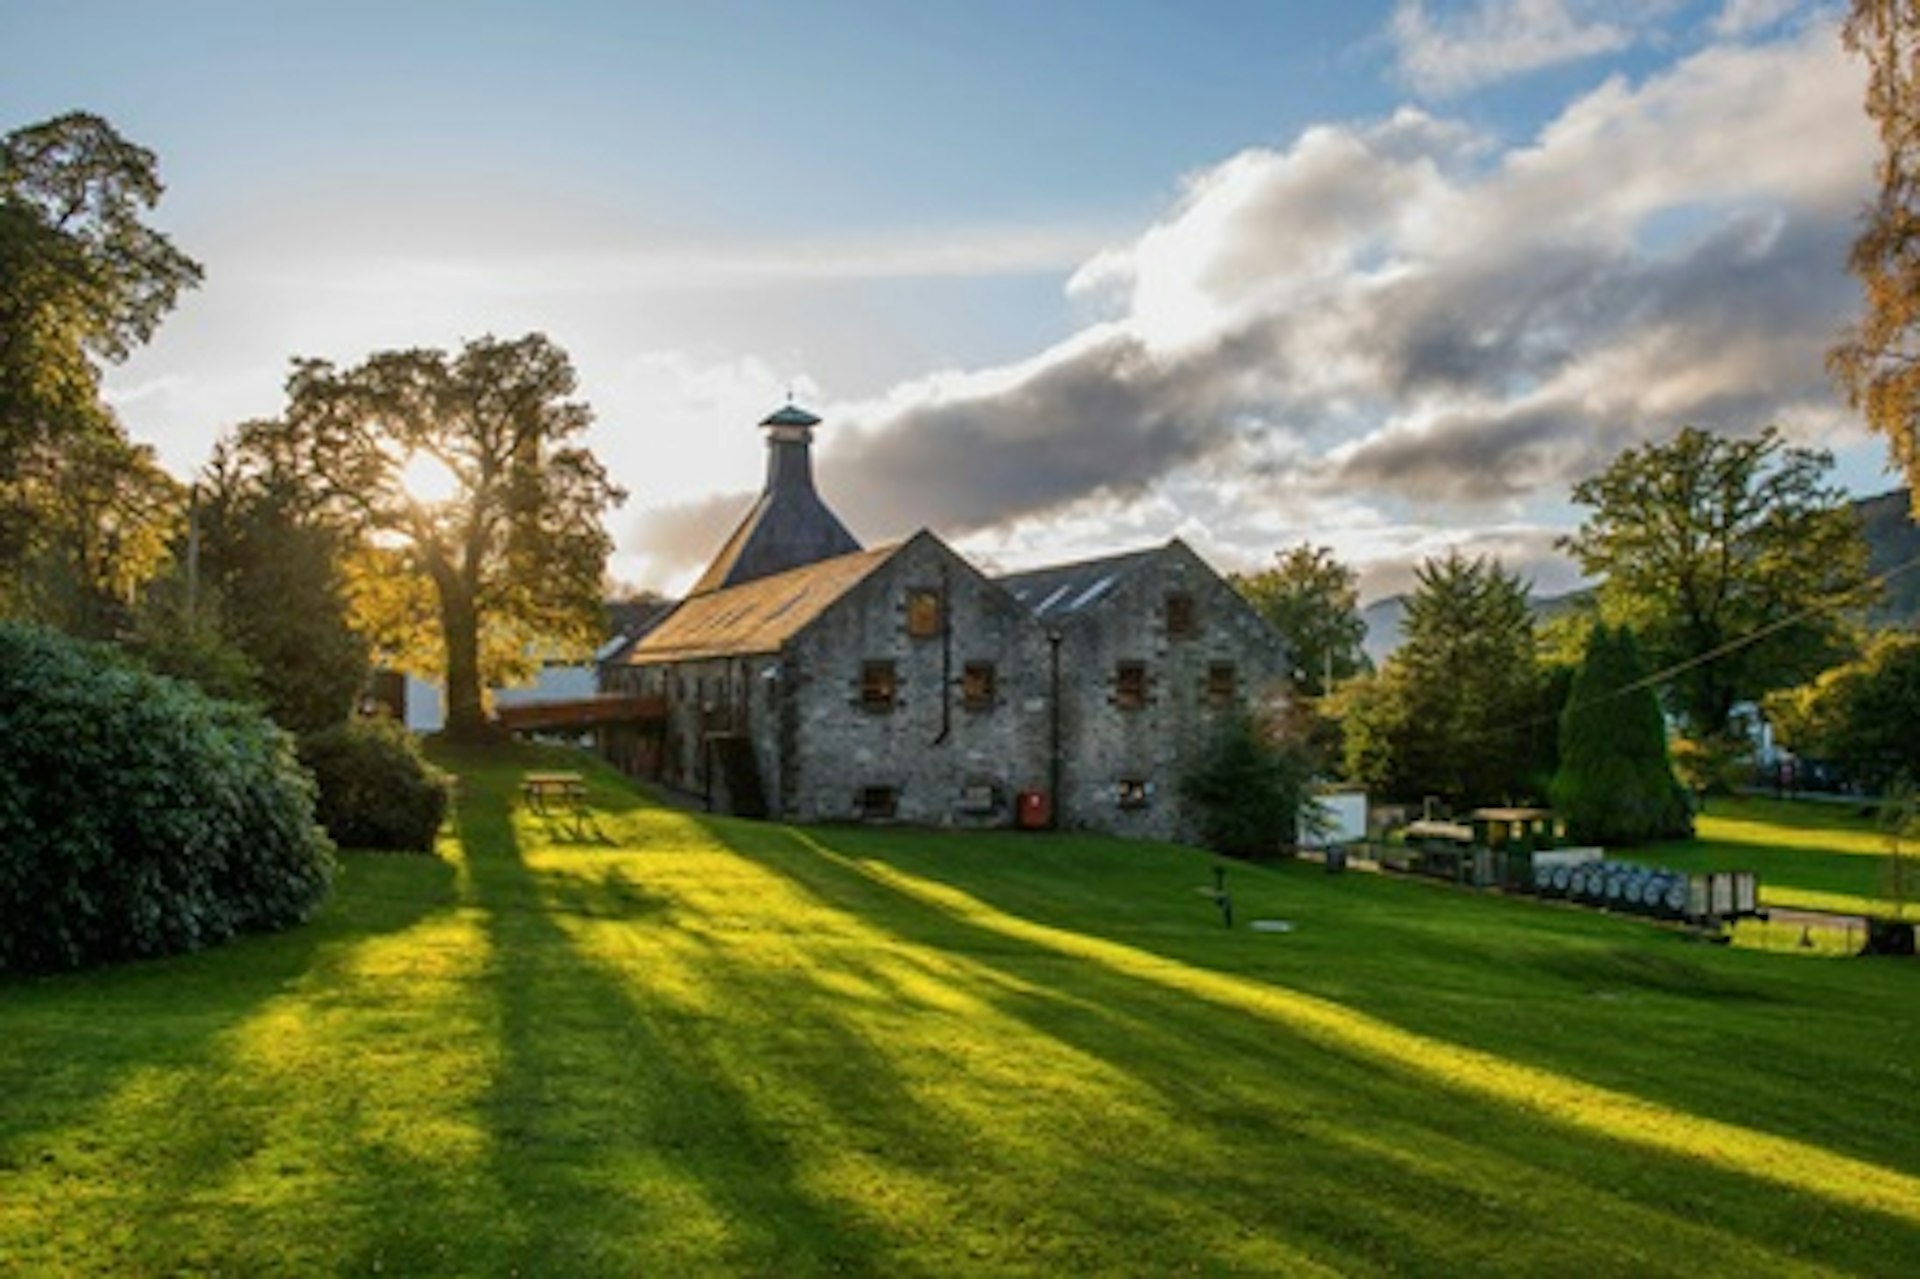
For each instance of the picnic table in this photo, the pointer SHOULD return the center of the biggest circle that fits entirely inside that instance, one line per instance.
(543, 789)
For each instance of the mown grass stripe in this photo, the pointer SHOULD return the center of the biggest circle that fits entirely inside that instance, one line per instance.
(1599, 1111)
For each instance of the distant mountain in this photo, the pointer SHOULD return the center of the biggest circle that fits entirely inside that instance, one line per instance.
(1893, 539)
(1383, 618)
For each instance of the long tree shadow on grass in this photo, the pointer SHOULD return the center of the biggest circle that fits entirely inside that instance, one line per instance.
(1352, 1158)
(1348, 1153)
(134, 1079)
(1619, 1003)
(619, 1136)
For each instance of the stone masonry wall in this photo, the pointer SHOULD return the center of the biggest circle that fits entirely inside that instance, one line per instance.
(942, 762)
(1122, 766)
(824, 754)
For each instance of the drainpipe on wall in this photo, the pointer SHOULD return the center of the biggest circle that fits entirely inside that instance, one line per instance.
(1053, 714)
(946, 658)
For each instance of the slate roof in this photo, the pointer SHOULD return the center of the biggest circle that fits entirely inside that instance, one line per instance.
(784, 529)
(1064, 590)
(757, 617)
(635, 617)
(788, 524)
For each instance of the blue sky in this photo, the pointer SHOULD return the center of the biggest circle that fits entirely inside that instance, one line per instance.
(1062, 277)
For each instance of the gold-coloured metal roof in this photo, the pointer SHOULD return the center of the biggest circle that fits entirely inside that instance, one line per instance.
(756, 617)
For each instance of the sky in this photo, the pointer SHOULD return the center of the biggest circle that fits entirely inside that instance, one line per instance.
(1062, 278)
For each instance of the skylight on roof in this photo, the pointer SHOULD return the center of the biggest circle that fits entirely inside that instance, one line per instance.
(1047, 603)
(1092, 593)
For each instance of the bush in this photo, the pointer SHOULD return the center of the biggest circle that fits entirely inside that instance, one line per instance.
(139, 816)
(1247, 792)
(376, 791)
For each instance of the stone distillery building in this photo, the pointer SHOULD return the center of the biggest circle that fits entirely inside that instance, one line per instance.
(806, 678)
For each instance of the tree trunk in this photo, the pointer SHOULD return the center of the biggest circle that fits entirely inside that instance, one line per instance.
(460, 628)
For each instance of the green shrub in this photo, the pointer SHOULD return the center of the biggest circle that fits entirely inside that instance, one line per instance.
(1247, 792)
(139, 816)
(376, 791)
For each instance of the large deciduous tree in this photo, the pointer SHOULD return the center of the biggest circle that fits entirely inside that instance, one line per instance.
(1877, 360)
(83, 279)
(512, 552)
(1313, 601)
(1730, 558)
(89, 521)
(1455, 711)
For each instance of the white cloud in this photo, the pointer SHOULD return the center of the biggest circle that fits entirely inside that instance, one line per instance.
(1741, 17)
(304, 273)
(679, 432)
(1496, 40)
(1347, 339)
(1399, 319)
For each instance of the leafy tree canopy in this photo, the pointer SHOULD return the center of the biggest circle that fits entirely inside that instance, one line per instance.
(1861, 715)
(1313, 601)
(85, 525)
(1877, 360)
(509, 558)
(272, 567)
(81, 275)
(1455, 711)
(1729, 558)
(84, 513)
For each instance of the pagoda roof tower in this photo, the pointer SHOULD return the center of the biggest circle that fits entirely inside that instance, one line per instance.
(789, 525)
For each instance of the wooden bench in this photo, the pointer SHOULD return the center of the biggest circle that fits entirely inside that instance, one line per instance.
(544, 789)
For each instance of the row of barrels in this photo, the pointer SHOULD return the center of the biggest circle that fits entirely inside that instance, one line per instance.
(1642, 890)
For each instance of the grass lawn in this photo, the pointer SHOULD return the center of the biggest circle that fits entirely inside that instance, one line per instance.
(684, 1046)
(1813, 856)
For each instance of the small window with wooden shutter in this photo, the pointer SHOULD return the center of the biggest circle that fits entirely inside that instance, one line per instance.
(1180, 620)
(879, 685)
(977, 682)
(1130, 685)
(1223, 684)
(925, 613)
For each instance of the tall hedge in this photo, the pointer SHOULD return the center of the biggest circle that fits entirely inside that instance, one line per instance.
(1615, 784)
(137, 815)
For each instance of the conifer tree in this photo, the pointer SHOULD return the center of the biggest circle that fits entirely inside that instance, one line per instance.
(1615, 784)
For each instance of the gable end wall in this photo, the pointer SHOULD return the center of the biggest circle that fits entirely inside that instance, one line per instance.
(1160, 742)
(930, 749)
